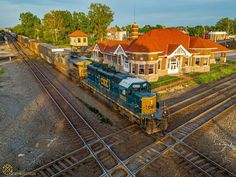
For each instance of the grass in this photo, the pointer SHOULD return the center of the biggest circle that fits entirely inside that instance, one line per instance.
(164, 80)
(233, 62)
(102, 118)
(63, 45)
(217, 71)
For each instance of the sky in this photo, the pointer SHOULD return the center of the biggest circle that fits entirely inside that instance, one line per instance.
(152, 12)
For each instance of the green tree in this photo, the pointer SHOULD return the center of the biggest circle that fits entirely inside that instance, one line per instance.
(225, 24)
(30, 24)
(57, 24)
(127, 28)
(100, 17)
(81, 22)
(19, 29)
(145, 29)
(158, 26)
(117, 28)
(196, 31)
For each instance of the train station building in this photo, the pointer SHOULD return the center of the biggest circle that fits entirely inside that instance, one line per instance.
(159, 52)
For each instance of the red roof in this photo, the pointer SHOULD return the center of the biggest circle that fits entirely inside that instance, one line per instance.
(167, 40)
(164, 41)
(109, 46)
(77, 33)
(197, 42)
(171, 48)
(157, 40)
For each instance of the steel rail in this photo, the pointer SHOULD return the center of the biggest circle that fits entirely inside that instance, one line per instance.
(207, 97)
(178, 141)
(170, 135)
(98, 136)
(206, 90)
(57, 105)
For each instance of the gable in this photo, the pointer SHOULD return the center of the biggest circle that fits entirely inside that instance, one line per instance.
(119, 51)
(96, 48)
(180, 50)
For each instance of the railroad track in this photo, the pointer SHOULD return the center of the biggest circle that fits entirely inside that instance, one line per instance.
(146, 156)
(173, 141)
(188, 112)
(106, 159)
(171, 160)
(199, 93)
(114, 134)
(202, 162)
(205, 95)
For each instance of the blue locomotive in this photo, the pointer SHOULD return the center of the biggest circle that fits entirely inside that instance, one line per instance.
(130, 94)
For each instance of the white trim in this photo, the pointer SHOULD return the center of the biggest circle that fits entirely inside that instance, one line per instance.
(143, 69)
(153, 69)
(140, 53)
(96, 48)
(177, 66)
(119, 46)
(173, 53)
(201, 56)
(111, 54)
(222, 51)
(201, 48)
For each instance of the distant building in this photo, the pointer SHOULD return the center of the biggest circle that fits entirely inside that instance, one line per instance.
(78, 40)
(216, 35)
(113, 34)
(159, 52)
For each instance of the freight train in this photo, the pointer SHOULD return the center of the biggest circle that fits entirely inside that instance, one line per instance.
(128, 94)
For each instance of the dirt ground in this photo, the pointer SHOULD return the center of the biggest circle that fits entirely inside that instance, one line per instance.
(32, 129)
(217, 140)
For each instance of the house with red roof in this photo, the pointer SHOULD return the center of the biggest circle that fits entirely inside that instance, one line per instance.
(112, 52)
(159, 52)
(78, 39)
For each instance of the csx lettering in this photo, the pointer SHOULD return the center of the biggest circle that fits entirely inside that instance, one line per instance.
(105, 82)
